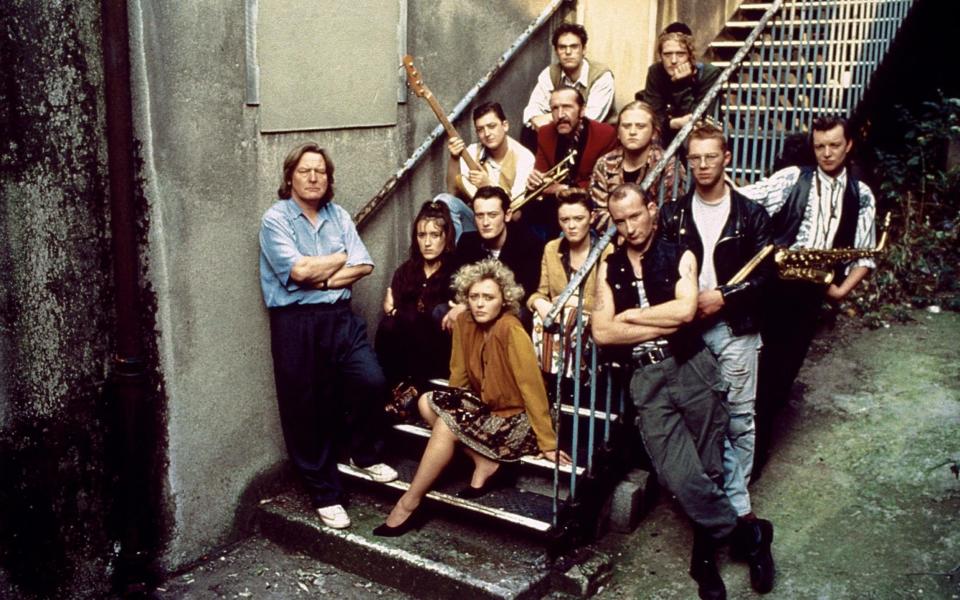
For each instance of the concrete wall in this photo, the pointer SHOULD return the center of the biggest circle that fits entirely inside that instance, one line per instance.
(55, 304)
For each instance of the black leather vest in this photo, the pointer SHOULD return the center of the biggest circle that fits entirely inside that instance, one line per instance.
(660, 267)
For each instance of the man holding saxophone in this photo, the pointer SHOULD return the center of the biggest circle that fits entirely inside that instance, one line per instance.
(819, 209)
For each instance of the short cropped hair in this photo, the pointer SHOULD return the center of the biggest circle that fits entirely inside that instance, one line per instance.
(575, 195)
(438, 213)
(683, 39)
(707, 130)
(495, 271)
(620, 192)
(563, 88)
(828, 122)
(565, 28)
(493, 191)
(290, 163)
(488, 107)
(645, 107)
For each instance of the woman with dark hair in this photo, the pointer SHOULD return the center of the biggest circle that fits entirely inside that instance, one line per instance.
(410, 343)
(496, 405)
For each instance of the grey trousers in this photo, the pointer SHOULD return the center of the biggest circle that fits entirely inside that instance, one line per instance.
(683, 422)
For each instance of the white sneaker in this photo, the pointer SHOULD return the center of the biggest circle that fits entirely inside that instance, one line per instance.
(334, 516)
(380, 472)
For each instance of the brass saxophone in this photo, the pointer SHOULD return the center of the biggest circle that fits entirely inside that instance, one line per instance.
(818, 266)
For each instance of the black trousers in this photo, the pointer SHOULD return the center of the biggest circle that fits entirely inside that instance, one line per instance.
(329, 383)
(790, 322)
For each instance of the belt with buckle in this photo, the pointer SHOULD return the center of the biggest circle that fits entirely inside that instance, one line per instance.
(643, 358)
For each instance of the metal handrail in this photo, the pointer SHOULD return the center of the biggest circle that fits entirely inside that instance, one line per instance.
(374, 204)
(654, 173)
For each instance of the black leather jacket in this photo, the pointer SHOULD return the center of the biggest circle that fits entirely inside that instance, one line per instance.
(746, 232)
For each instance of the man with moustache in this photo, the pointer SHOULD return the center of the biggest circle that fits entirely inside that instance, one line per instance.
(497, 236)
(310, 256)
(819, 208)
(646, 300)
(569, 131)
(638, 134)
(572, 69)
(506, 164)
(724, 230)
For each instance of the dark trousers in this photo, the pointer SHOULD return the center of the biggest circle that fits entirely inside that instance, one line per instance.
(790, 322)
(327, 376)
(683, 423)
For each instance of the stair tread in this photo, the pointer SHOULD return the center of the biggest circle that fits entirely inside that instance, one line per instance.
(444, 558)
(421, 431)
(511, 504)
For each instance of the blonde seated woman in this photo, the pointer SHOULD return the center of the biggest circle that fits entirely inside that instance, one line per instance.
(496, 406)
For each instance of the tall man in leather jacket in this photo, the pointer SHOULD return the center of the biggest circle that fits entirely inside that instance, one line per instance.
(724, 230)
(643, 313)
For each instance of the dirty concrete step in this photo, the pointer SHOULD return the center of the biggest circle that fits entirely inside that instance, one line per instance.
(515, 505)
(444, 559)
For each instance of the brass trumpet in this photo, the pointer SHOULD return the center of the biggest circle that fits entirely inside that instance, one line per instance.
(556, 173)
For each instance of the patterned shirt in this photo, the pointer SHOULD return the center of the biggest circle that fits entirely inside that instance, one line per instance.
(822, 215)
(287, 235)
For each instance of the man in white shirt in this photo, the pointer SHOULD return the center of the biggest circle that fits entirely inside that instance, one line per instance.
(820, 208)
(505, 164)
(594, 80)
(725, 230)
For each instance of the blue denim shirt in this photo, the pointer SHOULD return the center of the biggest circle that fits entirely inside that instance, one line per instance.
(286, 235)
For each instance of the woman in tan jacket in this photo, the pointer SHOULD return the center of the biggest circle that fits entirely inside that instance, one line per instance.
(496, 405)
(562, 257)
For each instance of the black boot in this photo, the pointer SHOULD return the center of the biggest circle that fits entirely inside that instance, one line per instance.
(703, 567)
(751, 542)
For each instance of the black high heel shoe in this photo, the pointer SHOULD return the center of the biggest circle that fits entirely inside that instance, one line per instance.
(415, 521)
(502, 477)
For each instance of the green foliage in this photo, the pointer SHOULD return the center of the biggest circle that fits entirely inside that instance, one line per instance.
(920, 266)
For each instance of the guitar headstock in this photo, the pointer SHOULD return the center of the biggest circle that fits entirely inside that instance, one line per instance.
(414, 80)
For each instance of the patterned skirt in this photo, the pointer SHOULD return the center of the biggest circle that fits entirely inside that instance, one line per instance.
(505, 439)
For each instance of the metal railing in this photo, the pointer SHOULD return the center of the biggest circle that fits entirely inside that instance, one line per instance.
(816, 59)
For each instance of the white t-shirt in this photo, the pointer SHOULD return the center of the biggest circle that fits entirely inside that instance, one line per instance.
(709, 219)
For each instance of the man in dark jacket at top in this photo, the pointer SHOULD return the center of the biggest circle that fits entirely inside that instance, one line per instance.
(677, 83)
(724, 230)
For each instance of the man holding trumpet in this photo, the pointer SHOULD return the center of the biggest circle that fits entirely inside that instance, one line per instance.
(570, 133)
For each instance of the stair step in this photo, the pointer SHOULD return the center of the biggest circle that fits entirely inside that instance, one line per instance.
(513, 505)
(741, 25)
(792, 63)
(735, 44)
(444, 559)
(527, 460)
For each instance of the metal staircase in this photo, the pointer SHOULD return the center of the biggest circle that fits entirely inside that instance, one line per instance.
(815, 57)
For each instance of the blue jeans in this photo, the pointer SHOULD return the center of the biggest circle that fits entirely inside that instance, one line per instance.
(460, 213)
(738, 357)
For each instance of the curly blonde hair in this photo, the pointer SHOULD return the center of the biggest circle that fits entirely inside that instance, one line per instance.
(495, 271)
